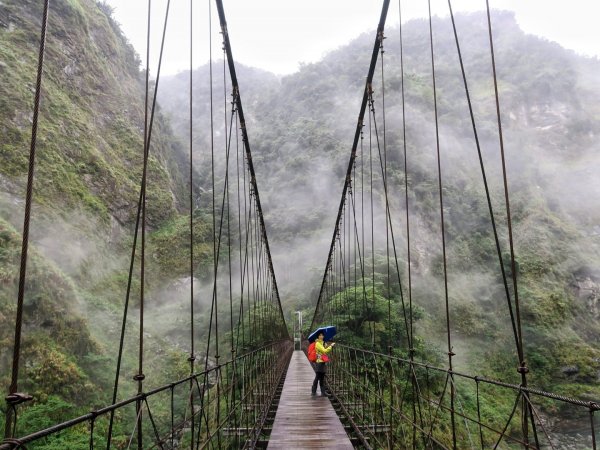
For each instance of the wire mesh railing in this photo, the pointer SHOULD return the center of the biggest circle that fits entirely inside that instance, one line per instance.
(393, 402)
(230, 404)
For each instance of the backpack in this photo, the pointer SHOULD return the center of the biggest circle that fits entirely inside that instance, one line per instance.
(312, 352)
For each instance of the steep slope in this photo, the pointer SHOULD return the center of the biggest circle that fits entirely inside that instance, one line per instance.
(87, 179)
(90, 118)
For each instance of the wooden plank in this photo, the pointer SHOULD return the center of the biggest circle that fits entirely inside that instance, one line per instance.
(303, 421)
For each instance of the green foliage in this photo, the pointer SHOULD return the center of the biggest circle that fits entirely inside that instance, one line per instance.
(86, 188)
(89, 158)
(170, 246)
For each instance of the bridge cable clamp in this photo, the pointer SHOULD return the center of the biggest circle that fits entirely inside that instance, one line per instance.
(17, 398)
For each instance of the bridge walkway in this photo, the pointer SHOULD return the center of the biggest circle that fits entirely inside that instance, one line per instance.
(303, 421)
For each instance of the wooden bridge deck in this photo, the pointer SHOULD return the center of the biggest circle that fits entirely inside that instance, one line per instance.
(303, 421)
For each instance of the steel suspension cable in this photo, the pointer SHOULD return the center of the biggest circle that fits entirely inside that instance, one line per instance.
(404, 146)
(12, 398)
(214, 213)
(388, 225)
(523, 367)
(137, 223)
(239, 213)
(389, 222)
(387, 207)
(516, 332)
(371, 324)
(214, 313)
(246, 142)
(442, 225)
(192, 357)
(205, 393)
(411, 349)
(139, 377)
(357, 134)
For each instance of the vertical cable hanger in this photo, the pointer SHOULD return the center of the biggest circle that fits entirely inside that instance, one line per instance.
(411, 350)
(357, 135)
(192, 357)
(371, 202)
(523, 369)
(14, 398)
(443, 231)
(246, 143)
(139, 377)
(138, 218)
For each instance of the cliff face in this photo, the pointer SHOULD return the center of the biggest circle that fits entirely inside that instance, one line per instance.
(86, 188)
(90, 140)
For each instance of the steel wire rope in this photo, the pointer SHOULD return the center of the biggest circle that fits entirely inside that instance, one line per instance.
(239, 212)
(408, 248)
(370, 312)
(385, 173)
(147, 140)
(354, 241)
(389, 221)
(442, 224)
(214, 306)
(139, 377)
(515, 326)
(12, 399)
(358, 246)
(362, 209)
(192, 357)
(523, 369)
(246, 143)
(205, 392)
(387, 239)
(517, 336)
(359, 126)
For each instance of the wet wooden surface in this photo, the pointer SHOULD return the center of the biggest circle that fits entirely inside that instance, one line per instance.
(303, 421)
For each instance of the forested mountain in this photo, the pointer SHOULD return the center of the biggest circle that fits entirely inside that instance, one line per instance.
(88, 173)
(301, 128)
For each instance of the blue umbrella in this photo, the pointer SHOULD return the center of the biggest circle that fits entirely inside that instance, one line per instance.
(329, 332)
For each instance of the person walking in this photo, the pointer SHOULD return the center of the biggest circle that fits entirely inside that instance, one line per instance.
(319, 365)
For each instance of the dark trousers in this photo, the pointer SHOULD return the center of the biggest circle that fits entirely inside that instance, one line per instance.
(319, 378)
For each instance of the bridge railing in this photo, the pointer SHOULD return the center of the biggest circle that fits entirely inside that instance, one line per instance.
(230, 405)
(392, 402)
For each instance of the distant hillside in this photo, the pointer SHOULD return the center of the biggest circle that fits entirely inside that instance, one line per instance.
(301, 130)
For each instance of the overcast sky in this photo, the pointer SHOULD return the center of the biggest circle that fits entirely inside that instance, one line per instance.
(277, 35)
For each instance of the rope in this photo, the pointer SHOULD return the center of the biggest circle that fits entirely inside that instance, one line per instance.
(192, 357)
(9, 426)
(391, 227)
(387, 206)
(137, 223)
(246, 142)
(404, 147)
(140, 375)
(443, 231)
(371, 324)
(357, 135)
(515, 326)
(506, 197)
(388, 225)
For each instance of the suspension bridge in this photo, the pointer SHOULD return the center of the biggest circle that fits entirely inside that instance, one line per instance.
(249, 386)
